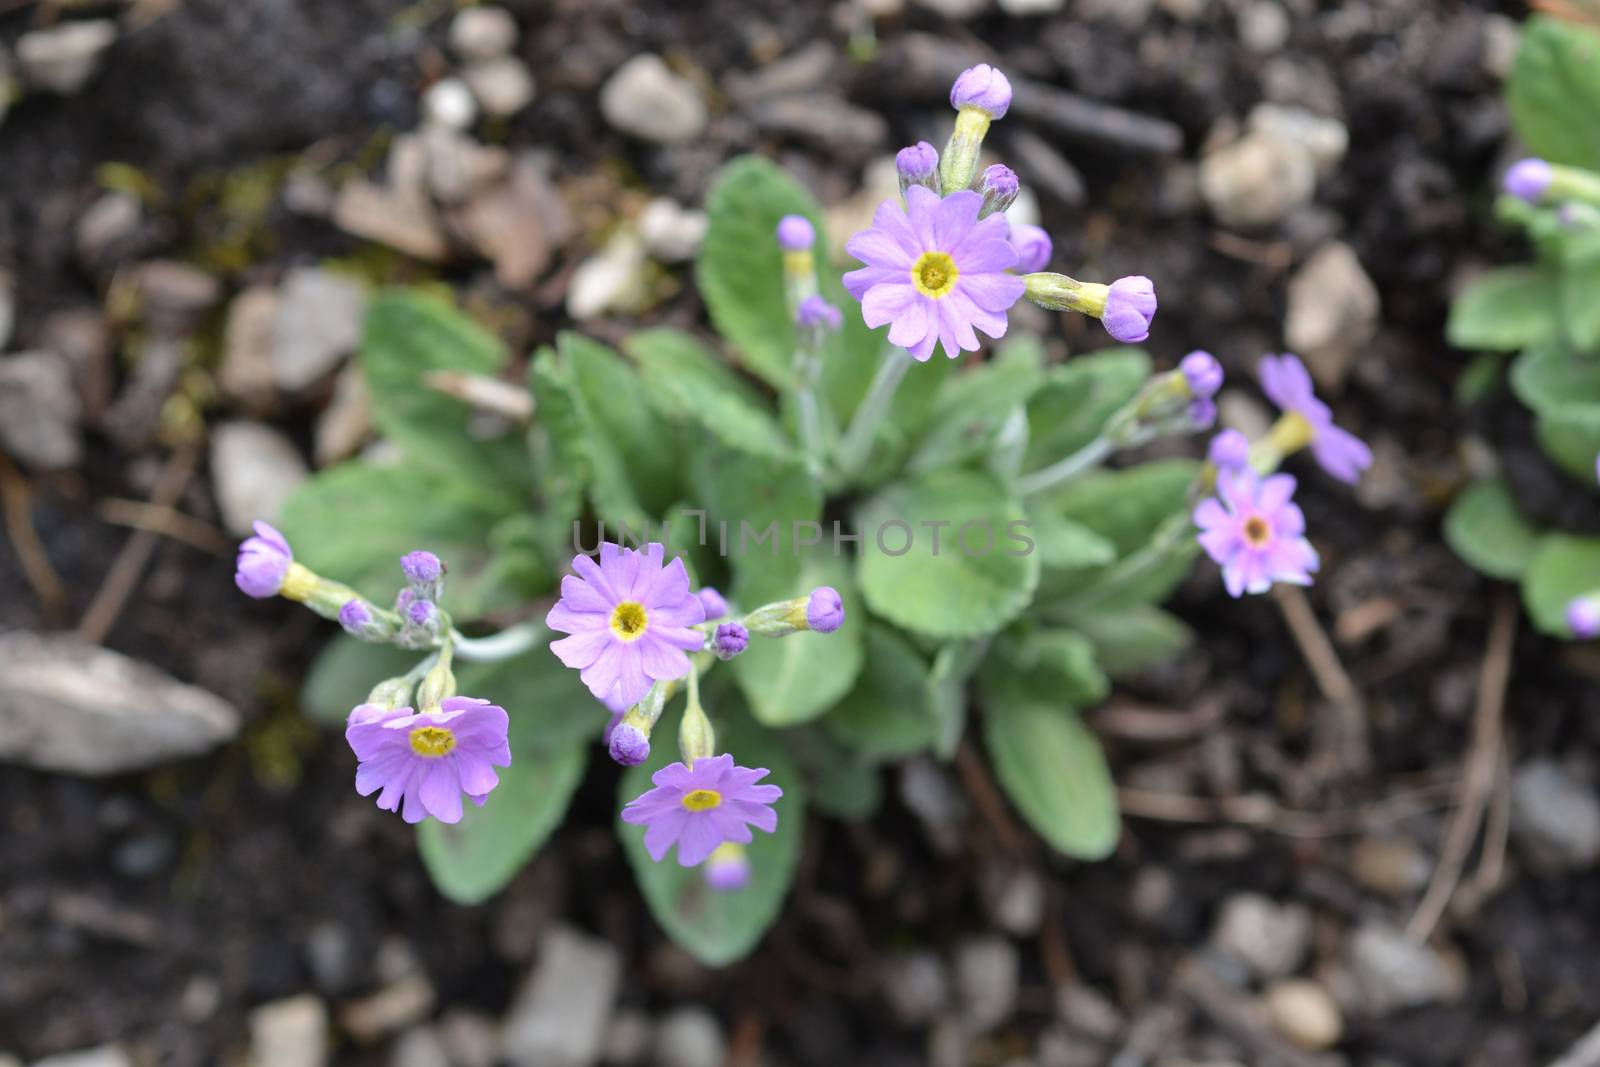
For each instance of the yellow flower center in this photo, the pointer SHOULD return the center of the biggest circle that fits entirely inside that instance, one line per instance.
(1257, 533)
(701, 799)
(432, 741)
(934, 274)
(628, 620)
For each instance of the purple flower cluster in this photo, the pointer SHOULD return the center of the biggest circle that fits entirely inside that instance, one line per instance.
(1287, 383)
(701, 807)
(1256, 532)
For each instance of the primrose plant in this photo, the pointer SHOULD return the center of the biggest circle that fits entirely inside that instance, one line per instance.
(875, 543)
(1545, 316)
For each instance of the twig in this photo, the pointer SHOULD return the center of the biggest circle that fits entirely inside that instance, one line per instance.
(975, 776)
(1263, 813)
(1350, 727)
(169, 522)
(1586, 1053)
(1477, 779)
(1496, 829)
(123, 577)
(1276, 256)
(17, 500)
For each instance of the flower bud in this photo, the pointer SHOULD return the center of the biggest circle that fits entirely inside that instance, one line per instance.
(984, 88)
(918, 164)
(824, 610)
(796, 234)
(1203, 374)
(999, 187)
(730, 639)
(1583, 617)
(1033, 246)
(1229, 450)
(364, 622)
(728, 868)
(1202, 413)
(1529, 179)
(815, 313)
(421, 624)
(1130, 306)
(696, 738)
(264, 563)
(424, 572)
(630, 746)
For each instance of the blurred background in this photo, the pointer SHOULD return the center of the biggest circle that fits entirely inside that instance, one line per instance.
(196, 197)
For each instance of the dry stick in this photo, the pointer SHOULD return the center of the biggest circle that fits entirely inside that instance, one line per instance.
(1477, 780)
(1262, 813)
(1336, 686)
(123, 576)
(1496, 829)
(169, 522)
(17, 500)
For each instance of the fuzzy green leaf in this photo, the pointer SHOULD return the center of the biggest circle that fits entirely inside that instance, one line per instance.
(888, 714)
(1506, 309)
(1563, 567)
(690, 384)
(1131, 640)
(1554, 93)
(1486, 529)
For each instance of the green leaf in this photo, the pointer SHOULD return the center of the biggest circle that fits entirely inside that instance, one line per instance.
(1571, 436)
(1125, 507)
(344, 672)
(750, 493)
(1052, 767)
(953, 667)
(1554, 93)
(841, 783)
(1506, 309)
(1486, 529)
(1131, 640)
(1563, 567)
(888, 714)
(971, 409)
(353, 522)
(718, 928)
(1549, 378)
(1058, 662)
(690, 384)
(794, 679)
(1077, 398)
(961, 586)
(475, 858)
(579, 444)
(1067, 545)
(1479, 378)
(407, 335)
(1580, 302)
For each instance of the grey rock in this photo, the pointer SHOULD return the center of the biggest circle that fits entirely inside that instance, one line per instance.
(330, 953)
(405, 223)
(1392, 973)
(318, 324)
(1333, 312)
(1305, 1013)
(828, 122)
(647, 100)
(628, 1038)
(1257, 180)
(1502, 37)
(69, 706)
(927, 789)
(449, 103)
(419, 1046)
(515, 224)
(1271, 939)
(174, 296)
(671, 233)
(987, 979)
(110, 220)
(80, 334)
(1129, 13)
(917, 987)
(1016, 899)
(289, 1033)
(254, 470)
(64, 57)
(1089, 1012)
(346, 423)
(247, 375)
(1047, 169)
(690, 1037)
(104, 1056)
(458, 166)
(483, 33)
(40, 412)
(1325, 139)
(1264, 27)
(611, 280)
(559, 1017)
(1392, 866)
(471, 1039)
(503, 86)
(1555, 820)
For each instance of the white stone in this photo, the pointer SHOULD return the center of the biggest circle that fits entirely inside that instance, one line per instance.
(109, 219)
(1502, 37)
(1257, 180)
(419, 1046)
(289, 1033)
(1305, 1013)
(64, 57)
(1555, 820)
(318, 324)
(672, 233)
(646, 99)
(1264, 27)
(690, 1037)
(104, 1056)
(1332, 312)
(346, 423)
(254, 470)
(559, 1017)
(483, 33)
(987, 979)
(40, 410)
(503, 86)
(1393, 973)
(1269, 938)
(246, 375)
(1327, 140)
(450, 103)
(612, 280)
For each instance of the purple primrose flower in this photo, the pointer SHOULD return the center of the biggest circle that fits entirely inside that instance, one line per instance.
(699, 808)
(824, 609)
(934, 271)
(796, 234)
(423, 762)
(1202, 373)
(1256, 532)
(1229, 450)
(1529, 179)
(263, 561)
(630, 619)
(1034, 247)
(1287, 383)
(1130, 307)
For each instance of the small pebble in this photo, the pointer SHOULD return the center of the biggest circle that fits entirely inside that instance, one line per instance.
(503, 86)
(646, 99)
(449, 103)
(478, 33)
(1303, 1012)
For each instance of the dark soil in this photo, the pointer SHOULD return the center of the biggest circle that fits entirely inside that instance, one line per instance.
(159, 909)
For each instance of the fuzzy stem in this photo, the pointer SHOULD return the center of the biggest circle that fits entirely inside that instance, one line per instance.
(856, 447)
(1064, 470)
(510, 642)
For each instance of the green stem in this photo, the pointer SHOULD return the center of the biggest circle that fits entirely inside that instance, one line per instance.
(856, 447)
(508, 643)
(1064, 470)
